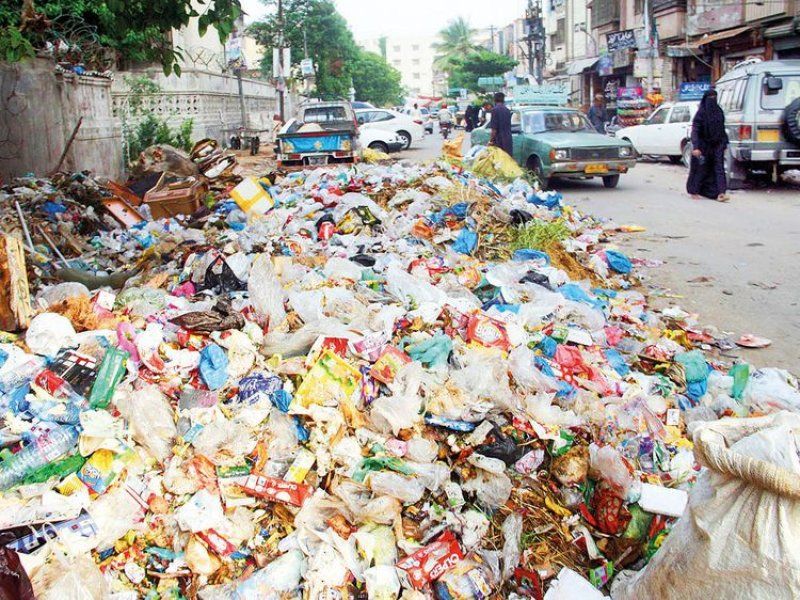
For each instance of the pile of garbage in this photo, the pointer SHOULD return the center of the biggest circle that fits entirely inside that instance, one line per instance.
(377, 382)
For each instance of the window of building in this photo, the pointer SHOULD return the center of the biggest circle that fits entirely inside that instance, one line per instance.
(560, 34)
(415, 62)
(396, 48)
(604, 12)
(638, 6)
(415, 47)
(396, 63)
(416, 76)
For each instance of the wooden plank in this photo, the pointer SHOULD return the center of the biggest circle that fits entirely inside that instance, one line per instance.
(15, 298)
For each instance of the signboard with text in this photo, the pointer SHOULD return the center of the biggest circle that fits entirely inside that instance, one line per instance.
(540, 94)
(621, 40)
(693, 90)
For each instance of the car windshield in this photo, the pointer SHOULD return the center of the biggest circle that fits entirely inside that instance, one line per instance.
(781, 98)
(325, 114)
(542, 121)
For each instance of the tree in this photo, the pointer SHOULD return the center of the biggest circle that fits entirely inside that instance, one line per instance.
(465, 71)
(457, 40)
(329, 40)
(136, 30)
(375, 80)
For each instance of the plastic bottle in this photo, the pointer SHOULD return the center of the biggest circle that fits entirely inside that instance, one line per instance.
(49, 446)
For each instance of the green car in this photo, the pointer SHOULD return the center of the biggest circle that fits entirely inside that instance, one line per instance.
(560, 142)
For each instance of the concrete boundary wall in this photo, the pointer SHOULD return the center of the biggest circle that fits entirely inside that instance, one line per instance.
(39, 109)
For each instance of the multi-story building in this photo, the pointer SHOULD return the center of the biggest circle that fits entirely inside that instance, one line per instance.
(413, 57)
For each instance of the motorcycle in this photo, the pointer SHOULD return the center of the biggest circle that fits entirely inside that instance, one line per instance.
(444, 129)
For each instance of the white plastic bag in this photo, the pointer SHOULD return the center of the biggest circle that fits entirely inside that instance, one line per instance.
(150, 419)
(266, 293)
(740, 535)
(65, 577)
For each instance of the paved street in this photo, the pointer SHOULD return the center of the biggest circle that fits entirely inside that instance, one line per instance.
(735, 264)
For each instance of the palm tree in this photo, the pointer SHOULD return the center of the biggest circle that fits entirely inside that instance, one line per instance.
(456, 42)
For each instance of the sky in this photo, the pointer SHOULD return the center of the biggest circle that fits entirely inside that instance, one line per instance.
(370, 19)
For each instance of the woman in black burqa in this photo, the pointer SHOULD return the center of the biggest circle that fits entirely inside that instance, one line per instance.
(709, 138)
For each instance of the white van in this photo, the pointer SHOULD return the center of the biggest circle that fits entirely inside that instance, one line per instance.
(761, 100)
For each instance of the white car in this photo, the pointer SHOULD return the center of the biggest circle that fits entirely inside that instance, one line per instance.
(390, 120)
(380, 139)
(666, 132)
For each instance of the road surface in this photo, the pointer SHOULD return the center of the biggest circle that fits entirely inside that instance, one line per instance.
(736, 265)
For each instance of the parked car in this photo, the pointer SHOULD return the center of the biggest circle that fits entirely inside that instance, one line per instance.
(561, 143)
(322, 133)
(666, 132)
(380, 139)
(390, 120)
(761, 101)
(359, 105)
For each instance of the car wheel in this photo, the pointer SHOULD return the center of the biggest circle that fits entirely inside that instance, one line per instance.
(686, 155)
(380, 147)
(406, 139)
(675, 160)
(611, 181)
(535, 166)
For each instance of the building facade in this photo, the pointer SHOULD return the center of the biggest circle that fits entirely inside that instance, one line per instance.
(413, 57)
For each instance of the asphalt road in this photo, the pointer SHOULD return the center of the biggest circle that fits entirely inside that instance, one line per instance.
(736, 265)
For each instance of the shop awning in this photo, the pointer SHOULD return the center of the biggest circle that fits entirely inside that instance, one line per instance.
(715, 37)
(578, 66)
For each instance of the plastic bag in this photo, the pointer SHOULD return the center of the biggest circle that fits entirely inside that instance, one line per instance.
(512, 534)
(213, 366)
(279, 577)
(266, 294)
(608, 464)
(406, 489)
(493, 163)
(149, 417)
(569, 585)
(451, 149)
(65, 577)
(382, 582)
(48, 333)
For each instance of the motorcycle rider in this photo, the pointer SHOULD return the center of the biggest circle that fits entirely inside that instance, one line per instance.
(445, 121)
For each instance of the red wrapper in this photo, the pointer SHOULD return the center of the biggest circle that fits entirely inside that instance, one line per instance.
(487, 332)
(216, 542)
(276, 490)
(431, 562)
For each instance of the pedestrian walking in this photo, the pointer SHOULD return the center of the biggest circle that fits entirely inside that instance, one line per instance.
(471, 117)
(501, 125)
(709, 139)
(598, 115)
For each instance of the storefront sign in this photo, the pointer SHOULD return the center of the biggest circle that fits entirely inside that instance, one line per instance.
(630, 93)
(693, 90)
(620, 40)
(540, 94)
(605, 66)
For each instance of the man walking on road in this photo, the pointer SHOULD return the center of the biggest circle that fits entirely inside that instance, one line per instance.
(501, 125)
(598, 116)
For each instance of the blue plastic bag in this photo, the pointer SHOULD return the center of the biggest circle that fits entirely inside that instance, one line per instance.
(213, 366)
(528, 254)
(465, 242)
(618, 262)
(572, 291)
(617, 362)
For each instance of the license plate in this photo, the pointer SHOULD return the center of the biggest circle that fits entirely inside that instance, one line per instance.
(596, 168)
(317, 161)
(768, 135)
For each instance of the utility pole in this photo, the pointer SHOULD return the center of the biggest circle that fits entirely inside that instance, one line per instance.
(652, 43)
(536, 37)
(280, 61)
